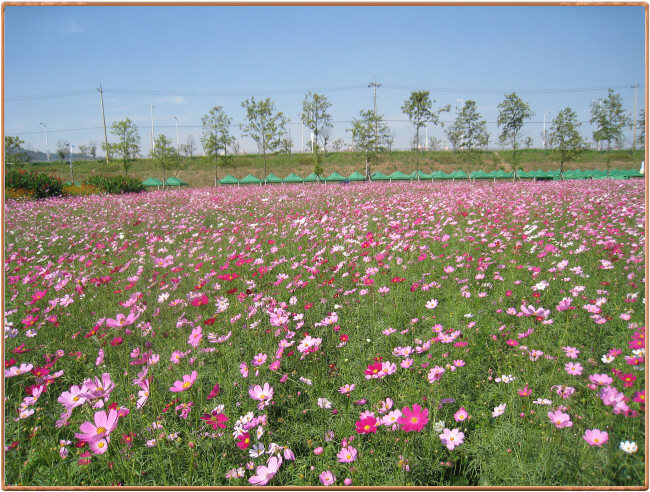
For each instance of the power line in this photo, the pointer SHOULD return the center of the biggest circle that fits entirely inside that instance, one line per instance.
(302, 91)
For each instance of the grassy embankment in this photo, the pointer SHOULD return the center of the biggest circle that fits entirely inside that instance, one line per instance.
(199, 171)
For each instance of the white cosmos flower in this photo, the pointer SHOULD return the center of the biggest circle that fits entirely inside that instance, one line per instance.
(628, 447)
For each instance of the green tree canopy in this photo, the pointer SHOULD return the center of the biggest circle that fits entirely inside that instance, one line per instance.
(513, 112)
(165, 155)
(370, 135)
(565, 139)
(418, 109)
(314, 115)
(216, 136)
(263, 125)
(610, 120)
(472, 130)
(128, 145)
(15, 155)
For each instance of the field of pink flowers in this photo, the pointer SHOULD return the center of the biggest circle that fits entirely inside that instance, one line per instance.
(384, 334)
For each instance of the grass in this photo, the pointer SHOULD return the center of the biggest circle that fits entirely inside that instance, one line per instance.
(200, 172)
(220, 278)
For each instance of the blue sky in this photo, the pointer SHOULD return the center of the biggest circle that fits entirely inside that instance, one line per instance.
(172, 56)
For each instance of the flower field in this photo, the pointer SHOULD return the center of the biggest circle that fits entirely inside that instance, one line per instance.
(380, 335)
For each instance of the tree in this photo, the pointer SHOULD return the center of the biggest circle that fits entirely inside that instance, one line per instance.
(216, 136)
(610, 120)
(434, 143)
(317, 159)
(454, 134)
(235, 146)
(528, 142)
(418, 109)
(565, 138)
(129, 142)
(314, 115)
(287, 143)
(370, 135)
(503, 141)
(512, 115)
(263, 125)
(472, 131)
(390, 140)
(338, 144)
(92, 148)
(325, 136)
(165, 155)
(641, 126)
(63, 148)
(190, 147)
(15, 155)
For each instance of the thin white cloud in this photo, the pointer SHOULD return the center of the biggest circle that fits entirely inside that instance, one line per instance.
(172, 99)
(73, 26)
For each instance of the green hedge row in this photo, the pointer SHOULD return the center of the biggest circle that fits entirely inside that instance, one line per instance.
(44, 185)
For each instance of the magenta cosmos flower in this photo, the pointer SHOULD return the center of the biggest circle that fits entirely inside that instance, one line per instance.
(104, 425)
(560, 419)
(451, 439)
(414, 420)
(261, 393)
(595, 437)
(121, 320)
(366, 426)
(186, 384)
(215, 419)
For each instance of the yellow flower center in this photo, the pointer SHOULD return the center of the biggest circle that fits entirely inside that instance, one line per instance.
(367, 427)
(414, 420)
(75, 398)
(187, 385)
(451, 438)
(348, 456)
(101, 430)
(596, 441)
(146, 393)
(262, 397)
(100, 445)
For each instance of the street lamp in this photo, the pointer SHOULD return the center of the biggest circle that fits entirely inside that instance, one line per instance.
(46, 145)
(176, 133)
(545, 128)
(152, 128)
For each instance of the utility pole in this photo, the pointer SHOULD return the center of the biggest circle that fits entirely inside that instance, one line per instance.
(176, 133)
(375, 85)
(101, 94)
(634, 137)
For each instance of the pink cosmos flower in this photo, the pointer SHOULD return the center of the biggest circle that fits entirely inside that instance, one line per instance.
(451, 439)
(525, 392)
(71, 399)
(574, 369)
(571, 352)
(215, 419)
(264, 474)
(144, 394)
(186, 384)
(560, 419)
(15, 371)
(275, 365)
(595, 437)
(259, 359)
(435, 374)
(104, 425)
(564, 304)
(499, 410)
(414, 420)
(121, 320)
(460, 415)
(214, 392)
(195, 337)
(347, 389)
(347, 455)
(327, 478)
(391, 418)
(263, 394)
(243, 368)
(99, 446)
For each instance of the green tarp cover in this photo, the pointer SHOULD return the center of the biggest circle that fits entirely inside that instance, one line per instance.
(69, 183)
(440, 175)
(229, 180)
(356, 176)
(501, 174)
(292, 178)
(524, 174)
(175, 182)
(479, 174)
(399, 175)
(313, 177)
(422, 175)
(379, 176)
(458, 175)
(335, 177)
(152, 182)
(272, 178)
(249, 179)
